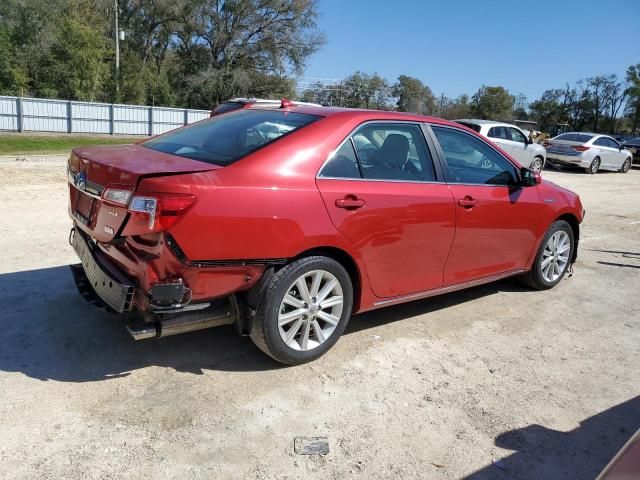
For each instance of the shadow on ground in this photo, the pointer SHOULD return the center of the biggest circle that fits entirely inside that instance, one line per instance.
(50, 333)
(581, 453)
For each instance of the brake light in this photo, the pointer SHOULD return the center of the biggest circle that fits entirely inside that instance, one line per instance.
(160, 211)
(580, 148)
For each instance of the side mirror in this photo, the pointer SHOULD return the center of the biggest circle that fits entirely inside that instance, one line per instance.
(529, 177)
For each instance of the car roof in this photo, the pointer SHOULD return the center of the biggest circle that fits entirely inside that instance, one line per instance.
(365, 114)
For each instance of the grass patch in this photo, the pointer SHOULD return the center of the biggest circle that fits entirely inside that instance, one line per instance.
(17, 144)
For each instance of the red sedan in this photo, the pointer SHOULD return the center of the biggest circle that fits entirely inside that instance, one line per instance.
(286, 221)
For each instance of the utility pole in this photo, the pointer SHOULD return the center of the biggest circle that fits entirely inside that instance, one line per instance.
(117, 32)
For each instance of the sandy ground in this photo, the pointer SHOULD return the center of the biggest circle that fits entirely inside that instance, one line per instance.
(491, 383)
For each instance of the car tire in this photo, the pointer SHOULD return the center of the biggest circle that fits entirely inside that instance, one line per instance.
(594, 167)
(537, 164)
(543, 274)
(276, 319)
(626, 166)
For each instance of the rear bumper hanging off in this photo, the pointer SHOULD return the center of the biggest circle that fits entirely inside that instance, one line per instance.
(97, 280)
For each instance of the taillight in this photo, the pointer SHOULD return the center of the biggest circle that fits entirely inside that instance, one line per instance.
(117, 195)
(159, 211)
(580, 148)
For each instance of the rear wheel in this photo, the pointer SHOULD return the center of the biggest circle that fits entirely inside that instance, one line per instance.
(594, 167)
(537, 165)
(553, 258)
(626, 166)
(304, 310)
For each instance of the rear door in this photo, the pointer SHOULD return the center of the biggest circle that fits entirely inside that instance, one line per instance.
(382, 192)
(501, 137)
(496, 220)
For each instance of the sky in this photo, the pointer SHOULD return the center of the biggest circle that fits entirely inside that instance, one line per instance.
(455, 46)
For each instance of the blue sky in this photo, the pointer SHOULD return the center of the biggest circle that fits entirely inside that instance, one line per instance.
(455, 46)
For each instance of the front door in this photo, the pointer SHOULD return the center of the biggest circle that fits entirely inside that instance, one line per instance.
(496, 220)
(381, 191)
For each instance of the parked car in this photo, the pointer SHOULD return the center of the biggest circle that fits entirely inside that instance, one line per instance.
(633, 145)
(240, 103)
(590, 151)
(287, 235)
(512, 139)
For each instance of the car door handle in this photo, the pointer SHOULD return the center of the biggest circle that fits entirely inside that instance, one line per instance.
(468, 202)
(350, 202)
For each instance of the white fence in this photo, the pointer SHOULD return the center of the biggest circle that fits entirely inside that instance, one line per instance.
(20, 114)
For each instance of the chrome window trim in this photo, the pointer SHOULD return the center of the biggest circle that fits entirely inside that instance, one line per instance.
(349, 138)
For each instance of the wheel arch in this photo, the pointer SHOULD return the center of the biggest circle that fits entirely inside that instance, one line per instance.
(344, 259)
(572, 220)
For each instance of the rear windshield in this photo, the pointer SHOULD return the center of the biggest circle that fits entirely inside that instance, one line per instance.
(224, 139)
(575, 137)
(472, 126)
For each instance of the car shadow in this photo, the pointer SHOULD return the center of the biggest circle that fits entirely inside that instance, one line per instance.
(581, 453)
(50, 333)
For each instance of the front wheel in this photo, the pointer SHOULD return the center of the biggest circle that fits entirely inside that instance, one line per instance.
(553, 258)
(304, 310)
(626, 166)
(537, 165)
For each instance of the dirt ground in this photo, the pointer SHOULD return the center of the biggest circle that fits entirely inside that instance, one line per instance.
(495, 382)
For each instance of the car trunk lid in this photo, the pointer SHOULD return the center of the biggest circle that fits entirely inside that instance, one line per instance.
(93, 170)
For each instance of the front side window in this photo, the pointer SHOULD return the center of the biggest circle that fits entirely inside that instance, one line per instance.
(470, 160)
(393, 152)
(227, 138)
(517, 136)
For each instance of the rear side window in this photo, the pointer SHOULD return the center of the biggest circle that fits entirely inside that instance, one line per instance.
(393, 151)
(469, 160)
(575, 137)
(343, 164)
(225, 139)
(499, 132)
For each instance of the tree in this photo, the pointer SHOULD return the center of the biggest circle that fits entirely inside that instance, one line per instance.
(414, 96)
(633, 92)
(492, 103)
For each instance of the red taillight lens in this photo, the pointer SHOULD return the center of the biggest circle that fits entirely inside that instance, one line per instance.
(160, 211)
(581, 148)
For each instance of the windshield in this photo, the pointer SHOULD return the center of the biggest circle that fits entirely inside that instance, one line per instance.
(575, 137)
(225, 139)
(472, 126)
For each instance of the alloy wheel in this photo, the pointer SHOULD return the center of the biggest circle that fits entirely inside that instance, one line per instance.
(595, 165)
(626, 165)
(536, 165)
(555, 256)
(310, 310)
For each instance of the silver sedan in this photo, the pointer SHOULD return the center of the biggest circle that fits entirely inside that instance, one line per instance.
(590, 151)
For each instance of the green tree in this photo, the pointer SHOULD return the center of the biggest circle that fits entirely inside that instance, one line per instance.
(633, 92)
(414, 96)
(492, 103)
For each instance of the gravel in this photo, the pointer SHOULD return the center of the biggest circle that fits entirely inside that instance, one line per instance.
(494, 382)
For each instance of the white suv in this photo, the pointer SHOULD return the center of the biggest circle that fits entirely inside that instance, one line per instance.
(512, 140)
